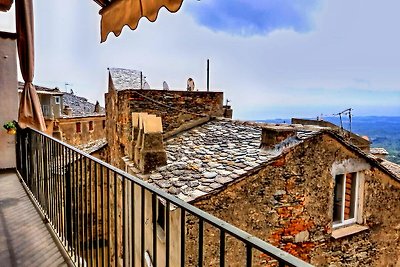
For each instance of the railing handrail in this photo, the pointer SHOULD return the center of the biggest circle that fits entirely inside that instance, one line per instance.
(245, 237)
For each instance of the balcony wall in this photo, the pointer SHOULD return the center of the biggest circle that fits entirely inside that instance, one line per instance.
(8, 97)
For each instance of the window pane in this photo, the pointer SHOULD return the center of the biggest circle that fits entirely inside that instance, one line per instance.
(338, 198)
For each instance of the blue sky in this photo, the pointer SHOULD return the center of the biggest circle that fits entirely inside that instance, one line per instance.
(271, 58)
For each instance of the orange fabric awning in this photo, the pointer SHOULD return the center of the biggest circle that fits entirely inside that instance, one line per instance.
(128, 12)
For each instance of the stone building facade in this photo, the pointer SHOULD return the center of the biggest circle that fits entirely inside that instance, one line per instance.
(284, 192)
(303, 188)
(70, 118)
(177, 109)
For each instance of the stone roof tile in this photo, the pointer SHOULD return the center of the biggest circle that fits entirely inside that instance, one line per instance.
(206, 158)
(127, 79)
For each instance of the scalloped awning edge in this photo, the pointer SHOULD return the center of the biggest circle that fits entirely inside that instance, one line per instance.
(128, 12)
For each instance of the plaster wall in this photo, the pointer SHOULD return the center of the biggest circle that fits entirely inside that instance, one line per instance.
(8, 99)
(69, 134)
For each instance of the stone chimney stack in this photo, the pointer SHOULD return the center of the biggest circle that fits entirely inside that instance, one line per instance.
(139, 136)
(67, 111)
(274, 135)
(134, 134)
(97, 107)
(149, 152)
(153, 153)
(228, 112)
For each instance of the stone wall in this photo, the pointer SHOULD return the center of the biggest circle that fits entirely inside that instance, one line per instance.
(69, 134)
(289, 203)
(355, 139)
(176, 108)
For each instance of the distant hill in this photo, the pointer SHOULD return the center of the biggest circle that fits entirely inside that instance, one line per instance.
(382, 131)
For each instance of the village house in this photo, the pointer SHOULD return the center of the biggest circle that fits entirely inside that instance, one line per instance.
(308, 189)
(71, 118)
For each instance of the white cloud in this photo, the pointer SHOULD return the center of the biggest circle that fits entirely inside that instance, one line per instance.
(354, 45)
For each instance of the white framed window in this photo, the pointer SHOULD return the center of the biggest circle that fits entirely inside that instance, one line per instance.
(57, 99)
(346, 201)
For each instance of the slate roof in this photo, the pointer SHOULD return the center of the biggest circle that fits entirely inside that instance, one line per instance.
(38, 88)
(92, 146)
(378, 151)
(127, 79)
(80, 106)
(207, 157)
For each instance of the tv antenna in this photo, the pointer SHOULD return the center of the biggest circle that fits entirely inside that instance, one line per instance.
(67, 84)
(345, 112)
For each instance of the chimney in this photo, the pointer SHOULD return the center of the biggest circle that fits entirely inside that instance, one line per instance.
(67, 111)
(272, 136)
(138, 143)
(97, 107)
(134, 134)
(152, 153)
(228, 112)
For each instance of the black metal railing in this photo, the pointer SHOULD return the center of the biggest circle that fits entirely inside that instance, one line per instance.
(106, 217)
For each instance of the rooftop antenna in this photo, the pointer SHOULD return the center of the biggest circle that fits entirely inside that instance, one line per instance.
(67, 84)
(345, 112)
(141, 80)
(208, 75)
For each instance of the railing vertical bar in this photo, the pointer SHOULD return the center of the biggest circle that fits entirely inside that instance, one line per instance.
(45, 180)
(70, 202)
(183, 237)
(37, 176)
(38, 182)
(65, 192)
(133, 222)
(167, 233)
(102, 218)
(51, 188)
(123, 222)
(76, 207)
(142, 230)
(55, 187)
(154, 219)
(249, 255)
(96, 189)
(86, 211)
(108, 216)
(62, 180)
(81, 211)
(60, 184)
(59, 192)
(91, 242)
(201, 229)
(222, 248)
(116, 250)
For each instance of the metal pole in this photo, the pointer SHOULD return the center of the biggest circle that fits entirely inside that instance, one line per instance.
(141, 80)
(208, 75)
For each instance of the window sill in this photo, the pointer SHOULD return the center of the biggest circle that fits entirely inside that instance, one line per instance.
(348, 230)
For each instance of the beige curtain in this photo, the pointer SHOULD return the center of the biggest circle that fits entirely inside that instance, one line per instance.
(128, 12)
(30, 111)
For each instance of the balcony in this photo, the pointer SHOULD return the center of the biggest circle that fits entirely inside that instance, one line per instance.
(102, 216)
